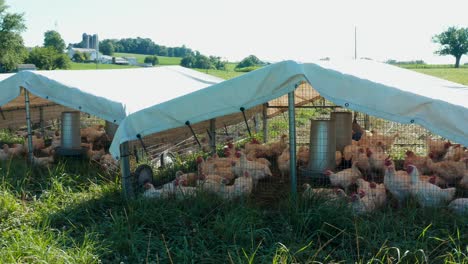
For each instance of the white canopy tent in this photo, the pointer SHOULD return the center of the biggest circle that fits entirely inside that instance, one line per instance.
(370, 87)
(107, 94)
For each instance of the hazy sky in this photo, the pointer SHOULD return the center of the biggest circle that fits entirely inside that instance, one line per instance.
(273, 30)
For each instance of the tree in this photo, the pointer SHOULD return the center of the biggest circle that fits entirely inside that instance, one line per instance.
(249, 61)
(188, 61)
(53, 39)
(48, 58)
(78, 57)
(202, 62)
(107, 47)
(12, 50)
(152, 59)
(454, 42)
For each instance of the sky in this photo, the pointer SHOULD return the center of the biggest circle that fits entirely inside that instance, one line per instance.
(273, 30)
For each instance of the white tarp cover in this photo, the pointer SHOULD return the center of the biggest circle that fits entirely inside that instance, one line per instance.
(370, 87)
(107, 94)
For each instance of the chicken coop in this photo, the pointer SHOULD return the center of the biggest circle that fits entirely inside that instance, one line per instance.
(75, 113)
(358, 130)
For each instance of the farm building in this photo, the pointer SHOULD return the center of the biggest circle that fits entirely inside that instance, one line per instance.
(398, 101)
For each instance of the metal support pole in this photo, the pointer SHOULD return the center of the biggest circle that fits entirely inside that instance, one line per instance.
(292, 143)
(28, 124)
(193, 133)
(125, 169)
(142, 144)
(213, 135)
(265, 122)
(41, 121)
(245, 120)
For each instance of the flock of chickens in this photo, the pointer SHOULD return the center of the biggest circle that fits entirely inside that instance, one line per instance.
(430, 180)
(94, 140)
(236, 174)
(367, 185)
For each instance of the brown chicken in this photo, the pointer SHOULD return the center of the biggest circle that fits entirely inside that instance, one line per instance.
(418, 161)
(437, 148)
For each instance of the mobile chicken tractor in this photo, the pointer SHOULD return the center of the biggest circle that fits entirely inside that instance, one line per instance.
(363, 132)
(74, 114)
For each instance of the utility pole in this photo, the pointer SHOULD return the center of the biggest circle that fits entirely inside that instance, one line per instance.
(355, 42)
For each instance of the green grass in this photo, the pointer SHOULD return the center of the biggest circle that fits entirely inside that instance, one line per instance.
(93, 66)
(162, 59)
(455, 75)
(74, 214)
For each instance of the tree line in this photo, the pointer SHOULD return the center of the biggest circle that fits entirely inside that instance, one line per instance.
(453, 41)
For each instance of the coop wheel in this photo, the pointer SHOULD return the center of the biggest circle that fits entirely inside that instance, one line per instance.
(143, 174)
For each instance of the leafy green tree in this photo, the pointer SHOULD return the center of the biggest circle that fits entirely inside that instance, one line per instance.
(53, 39)
(249, 61)
(48, 58)
(78, 57)
(218, 63)
(87, 56)
(188, 61)
(62, 61)
(454, 42)
(107, 47)
(152, 59)
(12, 50)
(202, 62)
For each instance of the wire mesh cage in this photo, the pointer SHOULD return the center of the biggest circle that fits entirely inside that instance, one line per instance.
(57, 131)
(362, 160)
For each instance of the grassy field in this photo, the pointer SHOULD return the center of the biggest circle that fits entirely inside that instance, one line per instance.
(162, 59)
(455, 75)
(93, 66)
(74, 214)
(223, 74)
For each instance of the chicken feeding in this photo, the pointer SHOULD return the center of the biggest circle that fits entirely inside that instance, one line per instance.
(376, 192)
(95, 155)
(345, 177)
(169, 189)
(454, 153)
(38, 142)
(418, 161)
(242, 186)
(437, 148)
(43, 161)
(216, 166)
(450, 171)
(377, 158)
(427, 194)
(362, 203)
(398, 183)
(187, 179)
(91, 133)
(256, 170)
(381, 140)
(17, 150)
